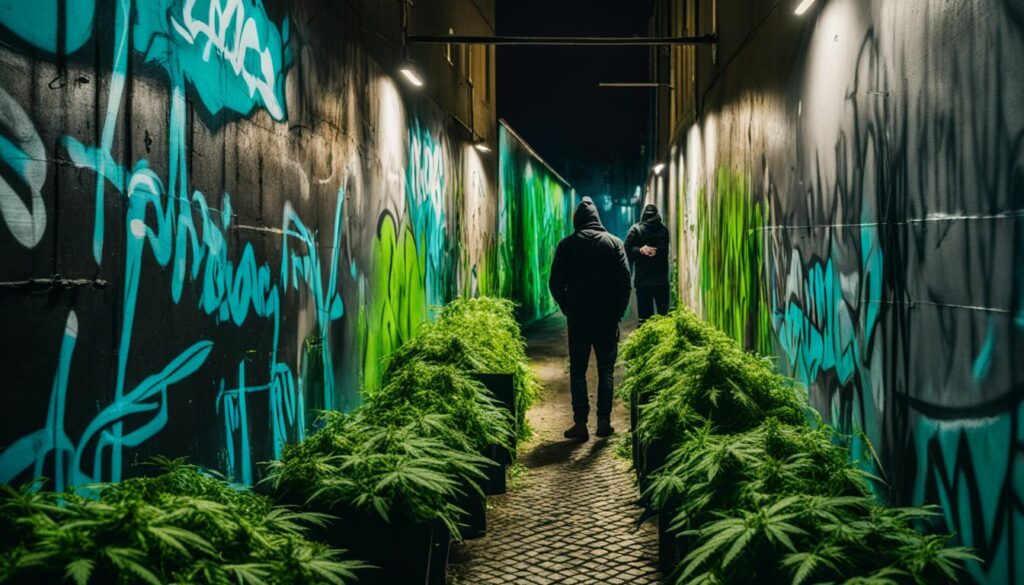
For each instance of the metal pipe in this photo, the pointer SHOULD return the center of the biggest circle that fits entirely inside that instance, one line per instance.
(569, 41)
(634, 84)
(53, 281)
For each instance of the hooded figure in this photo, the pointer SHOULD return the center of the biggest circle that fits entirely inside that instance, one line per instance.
(590, 282)
(647, 248)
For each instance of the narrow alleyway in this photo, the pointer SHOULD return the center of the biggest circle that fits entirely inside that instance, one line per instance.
(572, 519)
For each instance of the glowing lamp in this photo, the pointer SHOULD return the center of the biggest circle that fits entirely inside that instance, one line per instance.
(803, 6)
(411, 72)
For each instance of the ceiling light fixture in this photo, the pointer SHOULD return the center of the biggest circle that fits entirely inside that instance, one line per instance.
(412, 72)
(803, 6)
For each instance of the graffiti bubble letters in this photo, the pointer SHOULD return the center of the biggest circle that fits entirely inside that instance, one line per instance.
(248, 42)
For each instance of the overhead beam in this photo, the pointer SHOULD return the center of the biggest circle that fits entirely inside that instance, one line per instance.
(564, 41)
(633, 84)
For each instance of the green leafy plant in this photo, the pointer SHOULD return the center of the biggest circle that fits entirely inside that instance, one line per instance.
(813, 539)
(413, 468)
(421, 387)
(477, 335)
(412, 450)
(710, 472)
(757, 487)
(181, 526)
(686, 374)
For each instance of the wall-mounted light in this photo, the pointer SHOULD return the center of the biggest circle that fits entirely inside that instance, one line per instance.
(658, 168)
(480, 145)
(412, 73)
(803, 6)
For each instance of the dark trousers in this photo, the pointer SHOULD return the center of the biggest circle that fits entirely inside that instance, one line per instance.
(649, 296)
(604, 340)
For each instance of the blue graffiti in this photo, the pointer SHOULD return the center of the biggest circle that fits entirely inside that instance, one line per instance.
(307, 268)
(425, 196)
(148, 399)
(228, 50)
(39, 23)
(983, 362)
(820, 328)
(965, 465)
(235, 59)
(828, 323)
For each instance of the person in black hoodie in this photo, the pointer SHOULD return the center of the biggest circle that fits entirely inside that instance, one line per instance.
(647, 248)
(590, 282)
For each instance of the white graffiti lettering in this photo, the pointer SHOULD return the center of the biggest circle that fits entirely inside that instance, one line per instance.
(22, 151)
(233, 34)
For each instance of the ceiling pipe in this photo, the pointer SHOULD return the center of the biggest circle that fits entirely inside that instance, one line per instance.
(565, 41)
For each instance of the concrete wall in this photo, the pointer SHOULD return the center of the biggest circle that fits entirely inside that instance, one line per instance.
(850, 198)
(219, 216)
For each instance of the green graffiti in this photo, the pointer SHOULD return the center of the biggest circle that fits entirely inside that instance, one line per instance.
(732, 261)
(535, 212)
(414, 261)
(399, 298)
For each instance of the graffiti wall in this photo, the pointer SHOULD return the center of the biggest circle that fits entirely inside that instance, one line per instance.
(535, 212)
(851, 200)
(216, 218)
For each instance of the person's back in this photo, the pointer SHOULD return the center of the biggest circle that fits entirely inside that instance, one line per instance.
(647, 246)
(590, 282)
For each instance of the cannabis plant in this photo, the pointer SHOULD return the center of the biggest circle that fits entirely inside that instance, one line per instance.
(756, 488)
(721, 384)
(182, 526)
(413, 470)
(478, 335)
(710, 472)
(427, 388)
(819, 539)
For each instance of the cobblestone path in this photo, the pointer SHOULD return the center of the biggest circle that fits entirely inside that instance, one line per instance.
(572, 519)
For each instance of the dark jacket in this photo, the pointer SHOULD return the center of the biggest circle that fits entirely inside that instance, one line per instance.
(589, 275)
(651, 231)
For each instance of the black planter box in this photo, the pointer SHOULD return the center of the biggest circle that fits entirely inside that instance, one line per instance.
(672, 549)
(440, 548)
(473, 521)
(400, 550)
(652, 457)
(646, 458)
(634, 420)
(503, 388)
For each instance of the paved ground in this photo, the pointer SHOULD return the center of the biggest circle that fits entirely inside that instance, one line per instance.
(572, 520)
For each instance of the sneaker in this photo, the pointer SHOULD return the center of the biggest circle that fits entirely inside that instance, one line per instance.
(577, 431)
(604, 427)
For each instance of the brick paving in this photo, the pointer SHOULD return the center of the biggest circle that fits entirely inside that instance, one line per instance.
(572, 520)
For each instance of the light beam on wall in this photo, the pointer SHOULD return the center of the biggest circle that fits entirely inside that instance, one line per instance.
(658, 168)
(802, 7)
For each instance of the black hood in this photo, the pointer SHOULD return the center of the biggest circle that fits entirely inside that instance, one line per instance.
(650, 215)
(586, 217)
